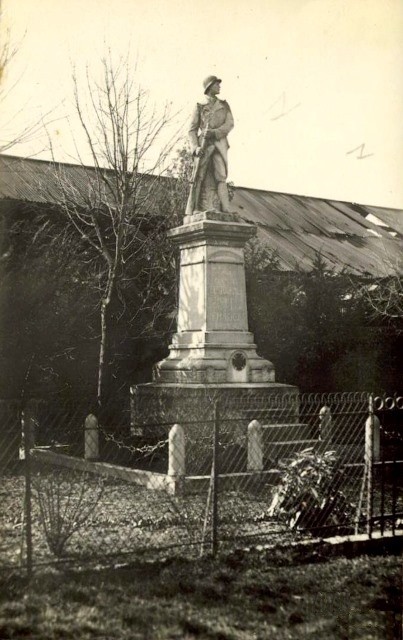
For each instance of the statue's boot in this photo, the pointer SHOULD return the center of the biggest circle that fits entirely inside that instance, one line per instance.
(222, 191)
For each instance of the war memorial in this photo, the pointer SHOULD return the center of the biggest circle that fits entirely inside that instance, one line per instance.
(212, 357)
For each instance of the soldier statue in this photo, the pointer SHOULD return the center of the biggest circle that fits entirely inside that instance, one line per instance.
(210, 124)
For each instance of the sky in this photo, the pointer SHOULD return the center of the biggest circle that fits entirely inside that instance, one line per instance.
(315, 86)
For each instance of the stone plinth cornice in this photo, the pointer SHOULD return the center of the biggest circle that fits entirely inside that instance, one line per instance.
(213, 230)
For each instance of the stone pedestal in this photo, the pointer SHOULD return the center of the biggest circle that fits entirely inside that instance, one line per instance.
(212, 343)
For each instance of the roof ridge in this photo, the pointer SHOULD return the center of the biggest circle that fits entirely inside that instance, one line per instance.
(330, 201)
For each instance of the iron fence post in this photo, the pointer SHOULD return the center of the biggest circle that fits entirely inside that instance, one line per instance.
(369, 460)
(214, 515)
(394, 494)
(383, 494)
(28, 423)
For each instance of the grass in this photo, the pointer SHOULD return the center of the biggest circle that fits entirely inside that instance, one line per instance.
(253, 595)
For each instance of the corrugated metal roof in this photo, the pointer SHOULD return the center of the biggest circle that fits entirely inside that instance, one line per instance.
(29, 180)
(295, 227)
(298, 227)
(392, 218)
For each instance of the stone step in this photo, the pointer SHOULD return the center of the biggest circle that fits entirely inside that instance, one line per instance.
(288, 432)
(279, 450)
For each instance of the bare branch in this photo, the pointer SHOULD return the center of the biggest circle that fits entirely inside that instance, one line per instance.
(383, 296)
(10, 135)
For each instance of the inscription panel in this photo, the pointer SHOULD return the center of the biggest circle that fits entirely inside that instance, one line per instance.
(226, 297)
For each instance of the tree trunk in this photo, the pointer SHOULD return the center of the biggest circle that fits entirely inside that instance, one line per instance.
(102, 349)
(106, 300)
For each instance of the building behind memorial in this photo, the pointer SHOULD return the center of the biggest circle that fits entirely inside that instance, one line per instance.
(364, 241)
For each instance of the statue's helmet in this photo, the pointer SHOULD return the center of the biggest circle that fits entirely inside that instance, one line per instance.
(209, 81)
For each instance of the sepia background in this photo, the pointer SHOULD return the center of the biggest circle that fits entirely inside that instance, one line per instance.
(315, 85)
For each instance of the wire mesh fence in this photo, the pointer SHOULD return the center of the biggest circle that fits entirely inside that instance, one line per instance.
(224, 470)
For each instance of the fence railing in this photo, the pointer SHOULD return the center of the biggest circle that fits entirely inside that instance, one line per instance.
(81, 487)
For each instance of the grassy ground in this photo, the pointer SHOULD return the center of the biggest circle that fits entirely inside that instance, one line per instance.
(244, 596)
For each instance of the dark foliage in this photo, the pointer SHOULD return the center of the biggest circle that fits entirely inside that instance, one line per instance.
(315, 328)
(310, 496)
(49, 310)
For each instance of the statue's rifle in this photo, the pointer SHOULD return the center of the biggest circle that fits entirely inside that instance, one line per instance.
(191, 204)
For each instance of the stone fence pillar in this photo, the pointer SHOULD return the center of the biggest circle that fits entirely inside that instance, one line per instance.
(29, 424)
(176, 451)
(373, 431)
(91, 438)
(325, 429)
(255, 447)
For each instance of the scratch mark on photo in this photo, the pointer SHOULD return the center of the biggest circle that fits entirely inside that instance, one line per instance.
(360, 156)
(283, 107)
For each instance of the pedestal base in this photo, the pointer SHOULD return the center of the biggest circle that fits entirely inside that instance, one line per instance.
(214, 357)
(156, 407)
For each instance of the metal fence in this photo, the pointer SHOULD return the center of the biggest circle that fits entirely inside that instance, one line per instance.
(231, 470)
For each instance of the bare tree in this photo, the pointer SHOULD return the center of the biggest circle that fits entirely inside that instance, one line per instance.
(10, 136)
(116, 206)
(385, 298)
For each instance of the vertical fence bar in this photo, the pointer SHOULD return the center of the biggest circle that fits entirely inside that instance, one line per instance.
(383, 494)
(28, 423)
(369, 460)
(214, 517)
(394, 494)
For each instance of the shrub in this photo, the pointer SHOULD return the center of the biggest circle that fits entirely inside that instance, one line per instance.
(66, 500)
(309, 495)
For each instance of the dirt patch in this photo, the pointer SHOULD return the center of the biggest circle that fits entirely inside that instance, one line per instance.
(128, 519)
